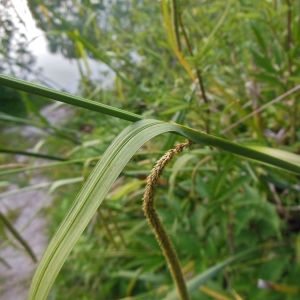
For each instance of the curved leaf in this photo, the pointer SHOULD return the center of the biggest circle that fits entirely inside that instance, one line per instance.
(101, 179)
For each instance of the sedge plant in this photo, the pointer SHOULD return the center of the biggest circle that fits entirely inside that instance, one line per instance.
(217, 63)
(111, 165)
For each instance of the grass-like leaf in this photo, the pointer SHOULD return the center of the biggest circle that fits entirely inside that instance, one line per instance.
(67, 98)
(44, 166)
(17, 236)
(27, 153)
(101, 179)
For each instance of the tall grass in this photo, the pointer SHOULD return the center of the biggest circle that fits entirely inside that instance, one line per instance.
(219, 75)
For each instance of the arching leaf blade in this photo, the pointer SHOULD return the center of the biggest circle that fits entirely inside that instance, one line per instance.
(101, 179)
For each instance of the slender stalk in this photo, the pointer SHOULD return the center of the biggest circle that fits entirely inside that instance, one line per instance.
(112, 219)
(294, 112)
(107, 229)
(26, 153)
(172, 40)
(16, 234)
(198, 72)
(294, 120)
(175, 18)
(230, 234)
(156, 224)
(277, 99)
(289, 26)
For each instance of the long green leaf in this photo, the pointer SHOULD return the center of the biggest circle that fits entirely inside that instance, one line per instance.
(44, 166)
(67, 98)
(25, 189)
(53, 185)
(101, 179)
(5, 117)
(26, 153)
(18, 237)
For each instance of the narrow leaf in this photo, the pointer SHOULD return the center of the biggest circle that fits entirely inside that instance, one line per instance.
(18, 237)
(67, 98)
(101, 179)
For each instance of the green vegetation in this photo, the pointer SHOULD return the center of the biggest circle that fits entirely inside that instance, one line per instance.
(223, 75)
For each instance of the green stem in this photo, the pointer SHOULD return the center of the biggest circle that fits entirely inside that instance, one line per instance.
(15, 233)
(175, 17)
(26, 153)
(198, 73)
(156, 224)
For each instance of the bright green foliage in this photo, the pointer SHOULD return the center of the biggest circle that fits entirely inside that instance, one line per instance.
(232, 221)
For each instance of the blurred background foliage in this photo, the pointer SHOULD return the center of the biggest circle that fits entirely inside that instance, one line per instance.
(230, 59)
